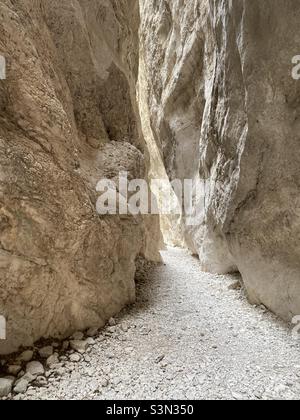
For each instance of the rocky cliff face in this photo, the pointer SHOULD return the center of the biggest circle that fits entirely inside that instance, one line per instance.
(225, 109)
(218, 105)
(68, 112)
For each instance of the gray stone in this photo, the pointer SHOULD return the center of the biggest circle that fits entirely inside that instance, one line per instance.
(79, 345)
(75, 358)
(92, 332)
(21, 386)
(46, 352)
(112, 322)
(5, 386)
(26, 356)
(52, 360)
(35, 368)
(124, 327)
(111, 330)
(78, 336)
(90, 341)
(14, 370)
(29, 377)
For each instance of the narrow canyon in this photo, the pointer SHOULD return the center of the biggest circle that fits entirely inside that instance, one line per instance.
(199, 90)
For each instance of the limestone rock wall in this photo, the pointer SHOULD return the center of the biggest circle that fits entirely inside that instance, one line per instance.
(225, 109)
(171, 225)
(72, 68)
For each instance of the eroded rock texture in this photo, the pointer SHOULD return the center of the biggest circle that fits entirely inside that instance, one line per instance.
(72, 67)
(224, 108)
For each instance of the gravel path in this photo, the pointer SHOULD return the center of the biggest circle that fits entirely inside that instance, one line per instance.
(188, 337)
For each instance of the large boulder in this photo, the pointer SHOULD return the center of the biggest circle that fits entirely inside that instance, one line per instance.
(70, 90)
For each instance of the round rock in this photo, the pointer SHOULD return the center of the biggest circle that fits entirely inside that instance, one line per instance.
(35, 368)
